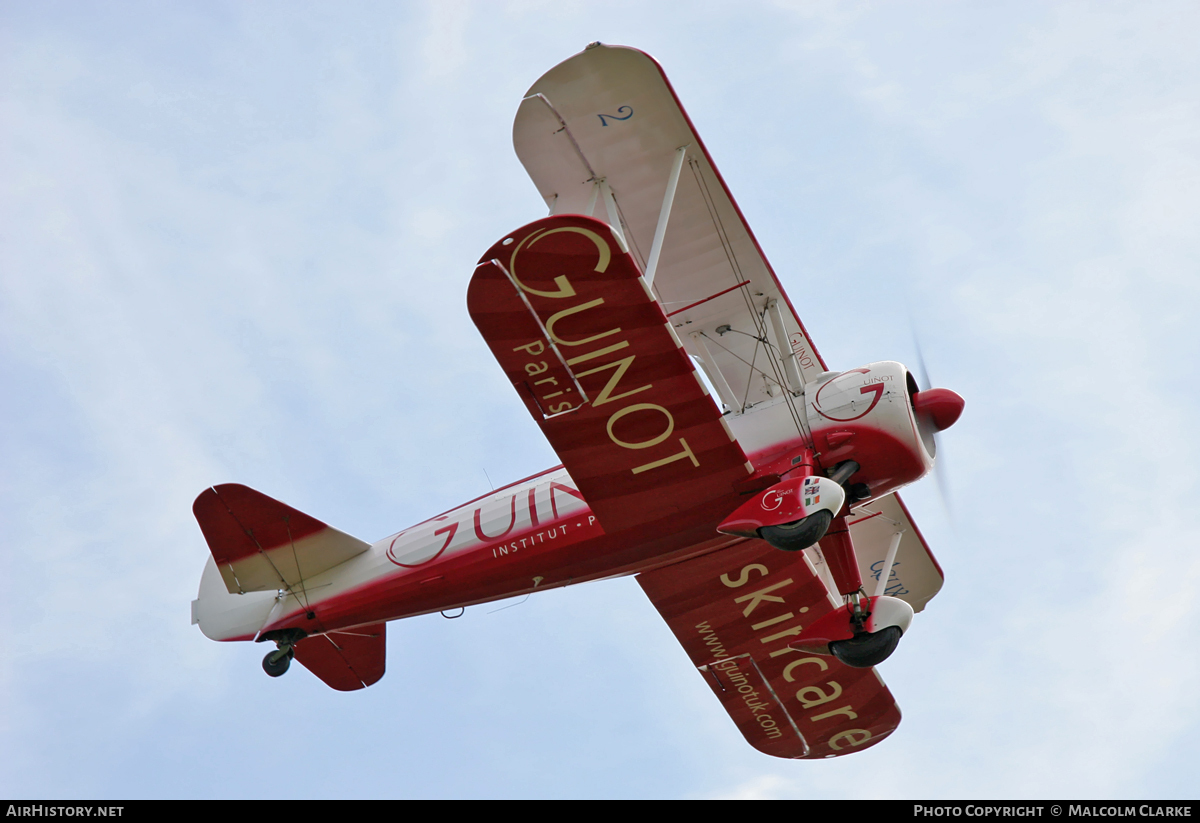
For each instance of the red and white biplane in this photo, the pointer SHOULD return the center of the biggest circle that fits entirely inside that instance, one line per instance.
(705, 446)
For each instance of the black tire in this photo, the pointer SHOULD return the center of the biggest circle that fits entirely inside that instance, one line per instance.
(794, 537)
(867, 649)
(275, 664)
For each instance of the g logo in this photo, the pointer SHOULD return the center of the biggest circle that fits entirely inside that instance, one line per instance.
(772, 500)
(873, 388)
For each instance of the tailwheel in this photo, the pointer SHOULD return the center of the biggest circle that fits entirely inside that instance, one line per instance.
(278, 661)
(867, 649)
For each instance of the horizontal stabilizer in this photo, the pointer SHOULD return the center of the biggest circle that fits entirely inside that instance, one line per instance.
(346, 660)
(260, 544)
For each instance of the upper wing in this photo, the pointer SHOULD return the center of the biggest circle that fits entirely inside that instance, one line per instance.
(607, 121)
(260, 544)
(735, 612)
(566, 313)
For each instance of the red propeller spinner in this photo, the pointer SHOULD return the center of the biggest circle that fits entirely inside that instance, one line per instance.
(941, 407)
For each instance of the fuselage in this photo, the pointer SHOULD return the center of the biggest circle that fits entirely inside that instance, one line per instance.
(534, 534)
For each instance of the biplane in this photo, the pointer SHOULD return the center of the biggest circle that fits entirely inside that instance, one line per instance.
(706, 448)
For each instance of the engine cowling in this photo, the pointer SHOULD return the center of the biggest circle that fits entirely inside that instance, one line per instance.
(876, 416)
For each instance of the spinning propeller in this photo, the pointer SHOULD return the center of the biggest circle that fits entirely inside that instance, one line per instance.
(936, 410)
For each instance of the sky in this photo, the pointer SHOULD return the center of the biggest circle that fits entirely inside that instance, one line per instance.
(235, 240)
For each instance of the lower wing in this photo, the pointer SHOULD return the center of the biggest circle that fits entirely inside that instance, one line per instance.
(735, 612)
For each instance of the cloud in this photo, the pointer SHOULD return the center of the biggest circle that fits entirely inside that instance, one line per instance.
(241, 255)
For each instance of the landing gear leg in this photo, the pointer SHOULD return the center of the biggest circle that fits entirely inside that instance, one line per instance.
(866, 648)
(278, 661)
(838, 550)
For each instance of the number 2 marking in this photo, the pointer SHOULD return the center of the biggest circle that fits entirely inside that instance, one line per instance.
(616, 116)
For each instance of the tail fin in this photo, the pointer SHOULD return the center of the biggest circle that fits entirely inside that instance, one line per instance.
(225, 616)
(260, 544)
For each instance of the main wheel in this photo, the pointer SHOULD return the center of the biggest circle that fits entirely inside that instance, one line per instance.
(867, 649)
(794, 537)
(277, 662)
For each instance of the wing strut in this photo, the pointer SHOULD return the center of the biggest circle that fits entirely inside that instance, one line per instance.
(790, 367)
(889, 561)
(715, 377)
(664, 214)
(610, 206)
(885, 571)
